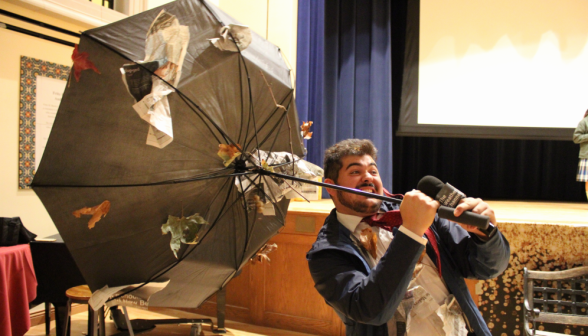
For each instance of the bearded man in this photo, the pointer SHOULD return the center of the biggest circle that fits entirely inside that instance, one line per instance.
(405, 274)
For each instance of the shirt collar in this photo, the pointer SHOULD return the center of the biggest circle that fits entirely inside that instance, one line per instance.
(349, 221)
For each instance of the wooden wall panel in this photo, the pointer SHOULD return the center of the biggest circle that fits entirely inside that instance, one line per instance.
(281, 294)
(296, 294)
(236, 296)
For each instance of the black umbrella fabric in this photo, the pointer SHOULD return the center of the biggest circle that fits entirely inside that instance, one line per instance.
(136, 140)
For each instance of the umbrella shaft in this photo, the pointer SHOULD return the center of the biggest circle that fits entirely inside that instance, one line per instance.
(332, 186)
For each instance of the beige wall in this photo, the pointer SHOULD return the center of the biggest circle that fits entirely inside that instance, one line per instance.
(15, 202)
(273, 19)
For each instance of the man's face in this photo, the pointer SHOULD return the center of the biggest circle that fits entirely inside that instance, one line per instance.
(359, 172)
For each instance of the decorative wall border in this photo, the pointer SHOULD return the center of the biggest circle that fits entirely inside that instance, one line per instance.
(30, 68)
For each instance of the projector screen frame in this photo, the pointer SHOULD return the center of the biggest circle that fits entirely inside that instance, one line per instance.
(408, 118)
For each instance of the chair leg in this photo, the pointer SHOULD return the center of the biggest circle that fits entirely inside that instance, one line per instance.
(60, 317)
(92, 322)
(47, 318)
(67, 319)
(221, 296)
(101, 321)
(129, 325)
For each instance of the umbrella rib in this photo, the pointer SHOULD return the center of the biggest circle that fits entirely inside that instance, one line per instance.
(242, 60)
(250, 186)
(215, 197)
(166, 82)
(185, 180)
(291, 149)
(253, 225)
(241, 56)
(274, 198)
(251, 114)
(241, 97)
(244, 201)
(281, 123)
(226, 136)
(247, 230)
(221, 214)
(199, 116)
(289, 133)
(246, 220)
(212, 13)
(289, 95)
(276, 126)
(285, 163)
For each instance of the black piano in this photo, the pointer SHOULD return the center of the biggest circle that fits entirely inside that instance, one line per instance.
(56, 272)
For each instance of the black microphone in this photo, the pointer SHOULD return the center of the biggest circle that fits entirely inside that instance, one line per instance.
(449, 197)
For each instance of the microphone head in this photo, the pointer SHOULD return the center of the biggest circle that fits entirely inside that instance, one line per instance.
(430, 186)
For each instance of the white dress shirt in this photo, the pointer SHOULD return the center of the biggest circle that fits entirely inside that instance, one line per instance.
(432, 324)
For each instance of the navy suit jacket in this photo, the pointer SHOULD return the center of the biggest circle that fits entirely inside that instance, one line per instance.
(366, 298)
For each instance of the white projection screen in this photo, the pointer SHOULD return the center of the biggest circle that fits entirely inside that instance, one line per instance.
(510, 69)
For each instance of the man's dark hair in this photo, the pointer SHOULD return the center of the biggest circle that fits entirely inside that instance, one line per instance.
(334, 154)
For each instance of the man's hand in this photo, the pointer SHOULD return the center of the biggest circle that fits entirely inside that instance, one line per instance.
(478, 206)
(418, 211)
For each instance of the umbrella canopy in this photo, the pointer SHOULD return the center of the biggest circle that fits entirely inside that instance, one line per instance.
(136, 140)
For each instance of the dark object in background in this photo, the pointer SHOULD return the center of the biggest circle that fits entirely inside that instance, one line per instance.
(56, 272)
(13, 232)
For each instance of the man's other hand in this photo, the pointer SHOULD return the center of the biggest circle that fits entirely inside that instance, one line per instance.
(478, 206)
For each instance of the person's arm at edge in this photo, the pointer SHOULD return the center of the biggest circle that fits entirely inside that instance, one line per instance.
(581, 133)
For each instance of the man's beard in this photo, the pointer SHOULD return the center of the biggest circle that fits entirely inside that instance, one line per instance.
(357, 205)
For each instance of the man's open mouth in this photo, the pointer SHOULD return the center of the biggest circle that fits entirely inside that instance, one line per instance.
(367, 188)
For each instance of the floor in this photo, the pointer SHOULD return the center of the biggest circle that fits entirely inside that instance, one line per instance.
(79, 325)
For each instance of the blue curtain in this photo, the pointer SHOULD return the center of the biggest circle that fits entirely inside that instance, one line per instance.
(344, 75)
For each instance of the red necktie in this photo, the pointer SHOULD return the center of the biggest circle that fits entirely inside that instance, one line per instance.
(392, 219)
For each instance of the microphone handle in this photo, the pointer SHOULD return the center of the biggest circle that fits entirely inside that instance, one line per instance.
(467, 217)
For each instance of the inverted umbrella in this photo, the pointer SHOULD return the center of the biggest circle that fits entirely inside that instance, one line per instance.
(133, 175)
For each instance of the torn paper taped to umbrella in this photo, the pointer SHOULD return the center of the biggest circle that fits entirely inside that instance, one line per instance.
(137, 78)
(274, 189)
(154, 109)
(233, 37)
(165, 50)
(281, 162)
(138, 298)
(167, 41)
